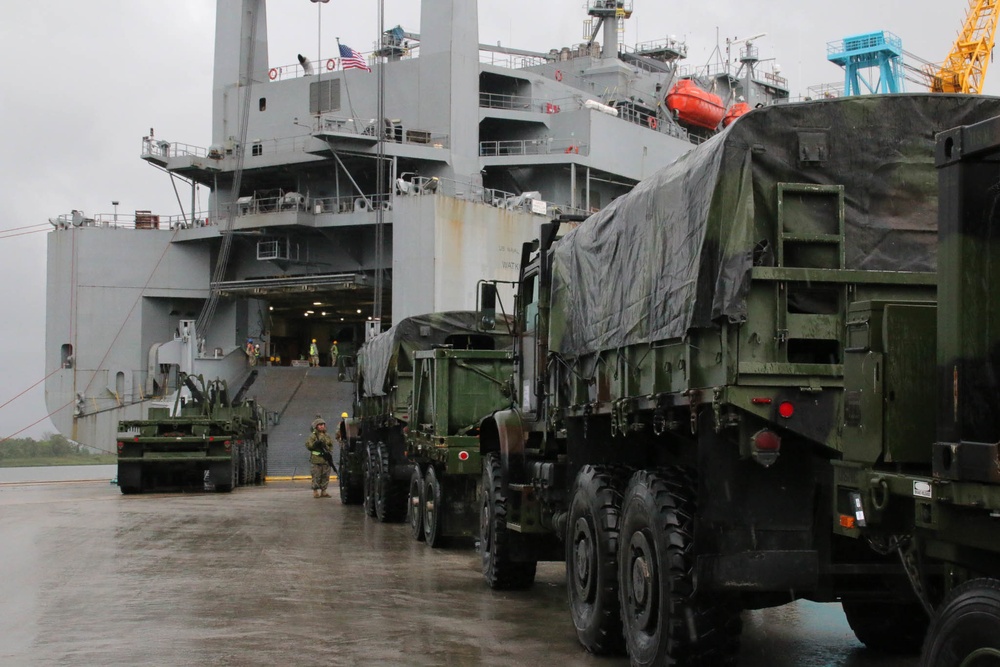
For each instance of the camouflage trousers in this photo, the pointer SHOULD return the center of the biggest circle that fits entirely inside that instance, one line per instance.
(320, 476)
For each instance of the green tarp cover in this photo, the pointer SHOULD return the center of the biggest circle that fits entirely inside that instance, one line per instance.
(394, 348)
(676, 252)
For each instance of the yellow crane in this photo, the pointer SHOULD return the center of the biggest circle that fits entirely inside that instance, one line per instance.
(964, 69)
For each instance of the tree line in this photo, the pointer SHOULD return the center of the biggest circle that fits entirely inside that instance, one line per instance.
(51, 446)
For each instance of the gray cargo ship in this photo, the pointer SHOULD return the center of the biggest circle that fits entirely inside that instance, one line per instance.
(350, 193)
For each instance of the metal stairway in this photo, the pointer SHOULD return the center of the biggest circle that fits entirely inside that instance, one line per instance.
(296, 396)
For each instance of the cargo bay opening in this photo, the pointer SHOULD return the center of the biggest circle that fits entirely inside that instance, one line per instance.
(283, 315)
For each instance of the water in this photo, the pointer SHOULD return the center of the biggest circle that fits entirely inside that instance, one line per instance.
(58, 473)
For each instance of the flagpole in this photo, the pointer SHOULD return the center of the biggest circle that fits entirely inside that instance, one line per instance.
(319, 64)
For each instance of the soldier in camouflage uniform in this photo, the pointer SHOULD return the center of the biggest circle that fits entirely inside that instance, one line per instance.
(319, 443)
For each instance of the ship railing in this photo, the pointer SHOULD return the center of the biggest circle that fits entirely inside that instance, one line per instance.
(609, 5)
(710, 70)
(348, 203)
(153, 147)
(328, 65)
(512, 102)
(393, 132)
(137, 220)
(547, 146)
(510, 60)
(776, 80)
(669, 45)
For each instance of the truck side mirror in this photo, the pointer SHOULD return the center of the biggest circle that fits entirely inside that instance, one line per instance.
(487, 306)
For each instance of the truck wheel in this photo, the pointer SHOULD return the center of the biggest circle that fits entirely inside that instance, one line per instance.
(129, 478)
(500, 571)
(889, 627)
(965, 630)
(415, 504)
(390, 504)
(432, 507)
(592, 560)
(351, 492)
(663, 622)
(369, 473)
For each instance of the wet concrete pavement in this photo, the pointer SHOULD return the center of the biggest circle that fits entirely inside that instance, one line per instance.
(266, 576)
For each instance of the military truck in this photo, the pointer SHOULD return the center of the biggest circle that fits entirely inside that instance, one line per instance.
(206, 438)
(410, 432)
(920, 475)
(680, 367)
(454, 388)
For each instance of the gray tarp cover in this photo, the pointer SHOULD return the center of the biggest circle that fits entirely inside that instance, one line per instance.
(676, 252)
(420, 332)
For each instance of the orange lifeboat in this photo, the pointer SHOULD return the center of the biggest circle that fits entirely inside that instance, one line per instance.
(694, 106)
(735, 112)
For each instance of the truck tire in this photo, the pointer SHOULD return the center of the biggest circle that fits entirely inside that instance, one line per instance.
(662, 620)
(889, 627)
(965, 630)
(592, 559)
(432, 506)
(130, 478)
(390, 503)
(500, 571)
(351, 489)
(369, 473)
(415, 504)
(222, 475)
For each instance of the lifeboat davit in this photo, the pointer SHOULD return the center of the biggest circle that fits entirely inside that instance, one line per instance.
(695, 106)
(735, 112)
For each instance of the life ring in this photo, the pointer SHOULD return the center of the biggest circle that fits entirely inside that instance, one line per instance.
(558, 75)
(331, 64)
(273, 74)
(652, 122)
(573, 149)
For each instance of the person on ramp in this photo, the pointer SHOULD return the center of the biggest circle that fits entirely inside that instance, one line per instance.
(320, 448)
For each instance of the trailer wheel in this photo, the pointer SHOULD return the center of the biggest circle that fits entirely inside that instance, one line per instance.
(499, 569)
(888, 627)
(369, 473)
(415, 504)
(129, 478)
(662, 620)
(965, 630)
(432, 505)
(592, 559)
(351, 491)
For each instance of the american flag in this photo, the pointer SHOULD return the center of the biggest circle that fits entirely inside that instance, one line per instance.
(351, 59)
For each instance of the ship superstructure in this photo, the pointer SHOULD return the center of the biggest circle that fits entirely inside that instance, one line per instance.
(345, 199)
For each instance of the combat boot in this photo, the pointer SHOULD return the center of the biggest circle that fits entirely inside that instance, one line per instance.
(324, 494)
(315, 493)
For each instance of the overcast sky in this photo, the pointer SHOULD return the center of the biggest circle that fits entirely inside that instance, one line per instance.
(84, 80)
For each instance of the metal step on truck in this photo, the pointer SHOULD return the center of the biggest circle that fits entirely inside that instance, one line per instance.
(207, 439)
(691, 379)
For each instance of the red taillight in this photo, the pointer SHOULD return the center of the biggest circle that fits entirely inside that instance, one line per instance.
(764, 400)
(211, 438)
(121, 445)
(228, 445)
(463, 456)
(767, 441)
(786, 409)
(765, 447)
(135, 439)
